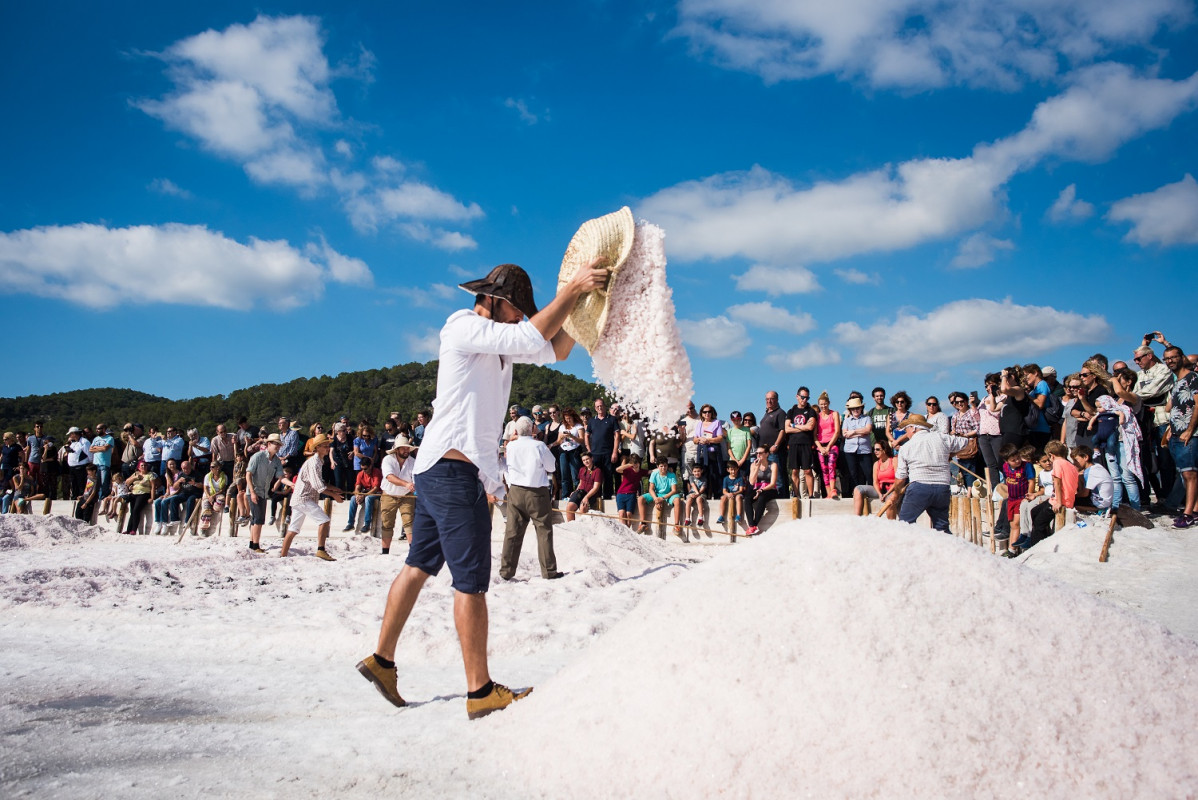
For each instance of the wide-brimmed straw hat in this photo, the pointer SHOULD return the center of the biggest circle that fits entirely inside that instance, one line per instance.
(508, 282)
(274, 437)
(854, 402)
(918, 420)
(401, 442)
(609, 238)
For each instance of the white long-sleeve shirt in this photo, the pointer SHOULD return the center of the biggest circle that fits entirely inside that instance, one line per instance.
(474, 381)
(529, 463)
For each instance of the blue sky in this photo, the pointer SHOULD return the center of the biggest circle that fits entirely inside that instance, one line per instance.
(903, 192)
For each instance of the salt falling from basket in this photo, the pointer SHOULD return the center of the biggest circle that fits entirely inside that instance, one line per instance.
(640, 357)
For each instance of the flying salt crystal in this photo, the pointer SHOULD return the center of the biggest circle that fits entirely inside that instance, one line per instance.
(640, 357)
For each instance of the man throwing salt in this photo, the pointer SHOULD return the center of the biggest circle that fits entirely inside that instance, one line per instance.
(457, 467)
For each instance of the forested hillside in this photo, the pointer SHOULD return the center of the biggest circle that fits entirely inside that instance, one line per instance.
(372, 394)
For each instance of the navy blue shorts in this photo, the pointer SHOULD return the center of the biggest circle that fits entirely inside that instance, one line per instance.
(452, 525)
(626, 502)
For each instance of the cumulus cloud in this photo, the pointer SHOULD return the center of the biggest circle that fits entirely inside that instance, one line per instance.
(239, 91)
(777, 280)
(100, 267)
(810, 355)
(1167, 216)
(963, 332)
(979, 250)
(425, 345)
(170, 188)
(435, 295)
(765, 217)
(855, 276)
(342, 268)
(919, 44)
(521, 108)
(715, 337)
(261, 95)
(1104, 107)
(1067, 208)
(768, 315)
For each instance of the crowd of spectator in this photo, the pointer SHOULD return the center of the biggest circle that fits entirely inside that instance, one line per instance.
(1132, 427)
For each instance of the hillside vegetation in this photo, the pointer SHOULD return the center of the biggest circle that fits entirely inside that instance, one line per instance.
(372, 394)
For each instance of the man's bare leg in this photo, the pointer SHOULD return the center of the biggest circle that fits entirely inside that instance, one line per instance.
(287, 540)
(470, 617)
(401, 598)
(255, 533)
(322, 533)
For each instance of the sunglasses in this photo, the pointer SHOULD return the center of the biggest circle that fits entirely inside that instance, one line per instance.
(1086, 374)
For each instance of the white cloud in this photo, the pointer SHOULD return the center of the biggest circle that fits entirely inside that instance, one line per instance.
(261, 95)
(521, 108)
(1067, 208)
(763, 216)
(100, 267)
(1104, 107)
(768, 315)
(919, 44)
(810, 355)
(435, 295)
(302, 167)
(424, 345)
(168, 187)
(715, 337)
(979, 250)
(443, 239)
(414, 200)
(855, 276)
(387, 164)
(342, 269)
(777, 280)
(1167, 216)
(964, 332)
(239, 91)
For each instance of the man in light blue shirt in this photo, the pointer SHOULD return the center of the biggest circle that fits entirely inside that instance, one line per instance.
(172, 446)
(101, 453)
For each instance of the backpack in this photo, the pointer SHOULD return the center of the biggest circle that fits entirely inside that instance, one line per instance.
(1031, 417)
(1054, 409)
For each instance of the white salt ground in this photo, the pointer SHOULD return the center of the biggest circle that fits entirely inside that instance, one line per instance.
(640, 357)
(827, 658)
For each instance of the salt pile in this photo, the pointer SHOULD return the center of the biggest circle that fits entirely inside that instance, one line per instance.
(22, 531)
(640, 357)
(864, 658)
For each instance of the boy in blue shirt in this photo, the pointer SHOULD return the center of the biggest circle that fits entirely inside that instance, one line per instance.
(732, 501)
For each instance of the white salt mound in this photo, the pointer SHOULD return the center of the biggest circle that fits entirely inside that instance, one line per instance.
(22, 531)
(864, 658)
(640, 357)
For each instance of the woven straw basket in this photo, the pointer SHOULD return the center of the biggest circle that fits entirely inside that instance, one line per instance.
(610, 238)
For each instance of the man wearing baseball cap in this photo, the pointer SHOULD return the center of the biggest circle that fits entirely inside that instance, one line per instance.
(457, 466)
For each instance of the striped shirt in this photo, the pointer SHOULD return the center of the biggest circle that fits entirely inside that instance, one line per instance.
(309, 484)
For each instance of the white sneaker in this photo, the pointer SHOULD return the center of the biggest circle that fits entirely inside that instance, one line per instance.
(158, 529)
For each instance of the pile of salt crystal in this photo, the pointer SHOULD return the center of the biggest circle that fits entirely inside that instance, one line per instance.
(640, 357)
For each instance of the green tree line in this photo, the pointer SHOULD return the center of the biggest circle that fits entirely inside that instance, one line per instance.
(369, 394)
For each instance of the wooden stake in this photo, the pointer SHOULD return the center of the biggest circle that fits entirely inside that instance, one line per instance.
(975, 504)
(990, 511)
(1106, 544)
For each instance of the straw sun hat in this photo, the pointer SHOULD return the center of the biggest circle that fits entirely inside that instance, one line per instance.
(610, 238)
